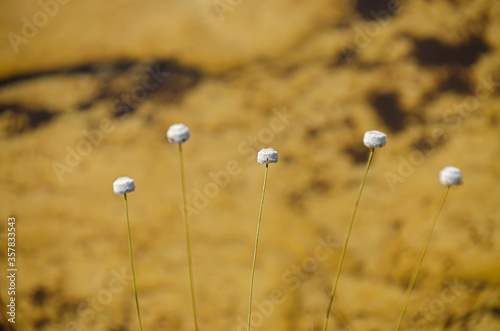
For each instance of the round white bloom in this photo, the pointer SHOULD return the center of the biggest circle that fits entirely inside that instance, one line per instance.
(267, 155)
(450, 176)
(123, 185)
(177, 133)
(374, 139)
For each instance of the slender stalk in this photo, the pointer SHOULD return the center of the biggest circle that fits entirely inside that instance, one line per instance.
(188, 240)
(421, 258)
(132, 263)
(344, 249)
(255, 250)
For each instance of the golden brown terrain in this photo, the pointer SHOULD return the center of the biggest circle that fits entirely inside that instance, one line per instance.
(89, 88)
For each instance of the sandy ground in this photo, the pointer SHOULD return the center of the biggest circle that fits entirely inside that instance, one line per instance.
(89, 88)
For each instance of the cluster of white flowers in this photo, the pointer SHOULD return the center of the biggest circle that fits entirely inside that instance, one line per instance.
(179, 133)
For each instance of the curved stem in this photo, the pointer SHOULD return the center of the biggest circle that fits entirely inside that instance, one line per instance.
(132, 263)
(188, 240)
(344, 249)
(255, 249)
(421, 258)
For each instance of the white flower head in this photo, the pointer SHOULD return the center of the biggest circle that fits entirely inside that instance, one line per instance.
(267, 155)
(178, 133)
(374, 138)
(450, 176)
(123, 185)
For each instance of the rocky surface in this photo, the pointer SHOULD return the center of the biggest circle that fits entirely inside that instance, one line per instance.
(89, 88)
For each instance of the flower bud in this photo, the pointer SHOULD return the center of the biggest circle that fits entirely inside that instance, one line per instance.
(450, 176)
(374, 138)
(177, 133)
(123, 185)
(267, 155)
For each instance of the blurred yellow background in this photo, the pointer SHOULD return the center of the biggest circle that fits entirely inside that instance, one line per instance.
(89, 88)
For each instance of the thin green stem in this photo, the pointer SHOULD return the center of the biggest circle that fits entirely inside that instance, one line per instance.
(255, 249)
(421, 258)
(188, 240)
(132, 263)
(344, 249)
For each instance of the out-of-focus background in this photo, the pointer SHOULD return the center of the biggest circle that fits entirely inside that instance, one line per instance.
(89, 88)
